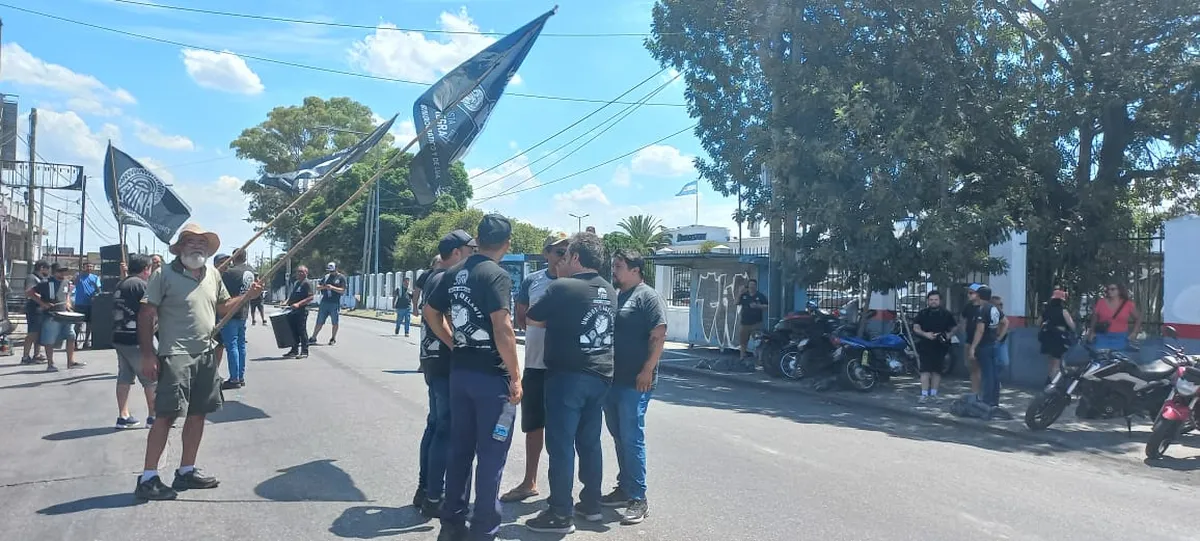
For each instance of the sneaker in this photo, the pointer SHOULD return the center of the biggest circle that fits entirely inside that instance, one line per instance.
(548, 522)
(637, 511)
(616, 498)
(127, 422)
(453, 532)
(241, 383)
(291, 355)
(312, 340)
(150, 422)
(333, 341)
(431, 508)
(193, 479)
(302, 355)
(397, 331)
(28, 360)
(1000, 414)
(76, 364)
(229, 385)
(588, 513)
(419, 498)
(153, 489)
(51, 368)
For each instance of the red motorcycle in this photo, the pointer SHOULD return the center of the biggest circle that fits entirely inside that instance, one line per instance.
(1178, 414)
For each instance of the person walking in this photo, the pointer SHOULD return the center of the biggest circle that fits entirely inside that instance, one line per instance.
(641, 332)
(297, 319)
(127, 301)
(578, 313)
(435, 364)
(183, 301)
(934, 325)
(53, 296)
(238, 278)
(331, 288)
(751, 304)
(403, 306)
(533, 405)
(256, 307)
(87, 286)
(1055, 332)
(34, 314)
(1109, 327)
(470, 310)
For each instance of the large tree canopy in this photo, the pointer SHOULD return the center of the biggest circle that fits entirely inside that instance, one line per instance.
(416, 247)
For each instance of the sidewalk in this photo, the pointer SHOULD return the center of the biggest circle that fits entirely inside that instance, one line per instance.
(899, 398)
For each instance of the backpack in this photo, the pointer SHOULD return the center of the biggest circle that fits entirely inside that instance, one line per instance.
(970, 406)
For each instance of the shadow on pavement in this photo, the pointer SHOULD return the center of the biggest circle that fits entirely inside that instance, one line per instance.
(279, 358)
(1178, 464)
(101, 377)
(80, 433)
(21, 373)
(233, 411)
(32, 384)
(316, 481)
(370, 522)
(700, 392)
(110, 501)
(402, 372)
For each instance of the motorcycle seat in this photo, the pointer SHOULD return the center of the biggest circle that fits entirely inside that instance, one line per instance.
(1155, 370)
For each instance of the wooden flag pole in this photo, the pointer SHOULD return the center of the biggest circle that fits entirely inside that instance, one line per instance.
(112, 160)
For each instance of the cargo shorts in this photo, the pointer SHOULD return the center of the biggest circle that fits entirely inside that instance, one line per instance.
(187, 384)
(129, 365)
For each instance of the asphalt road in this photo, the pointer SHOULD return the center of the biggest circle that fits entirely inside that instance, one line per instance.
(324, 448)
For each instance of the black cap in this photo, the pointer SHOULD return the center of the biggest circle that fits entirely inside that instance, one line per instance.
(454, 239)
(494, 229)
(59, 267)
(984, 292)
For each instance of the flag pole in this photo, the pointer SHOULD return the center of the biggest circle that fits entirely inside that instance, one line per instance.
(266, 276)
(697, 203)
(112, 161)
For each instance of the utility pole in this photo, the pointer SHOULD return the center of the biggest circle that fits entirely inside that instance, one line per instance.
(32, 240)
(578, 222)
(376, 230)
(82, 217)
(57, 227)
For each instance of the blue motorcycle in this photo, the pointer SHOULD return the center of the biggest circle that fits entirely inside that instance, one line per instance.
(863, 362)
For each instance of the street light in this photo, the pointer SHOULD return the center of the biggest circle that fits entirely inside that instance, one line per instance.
(579, 221)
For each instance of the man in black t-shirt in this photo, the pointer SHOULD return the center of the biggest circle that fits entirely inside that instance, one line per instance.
(470, 310)
(641, 331)
(579, 313)
(751, 303)
(403, 306)
(331, 288)
(934, 325)
(435, 364)
(297, 301)
(967, 320)
(127, 301)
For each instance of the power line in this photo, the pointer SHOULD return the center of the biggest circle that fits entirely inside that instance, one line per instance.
(589, 169)
(564, 130)
(299, 65)
(622, 115)
(369, 27)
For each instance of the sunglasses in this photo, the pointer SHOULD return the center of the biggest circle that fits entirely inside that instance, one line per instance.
(560, 253)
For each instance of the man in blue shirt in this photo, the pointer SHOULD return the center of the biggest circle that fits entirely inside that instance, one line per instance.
(87, 285)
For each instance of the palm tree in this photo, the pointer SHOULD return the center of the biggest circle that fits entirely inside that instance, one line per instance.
(647, 232)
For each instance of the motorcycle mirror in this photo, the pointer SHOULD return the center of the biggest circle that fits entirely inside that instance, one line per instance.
(1170, 332)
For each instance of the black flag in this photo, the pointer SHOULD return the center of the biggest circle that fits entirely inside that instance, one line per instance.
(482, 79)
(318, 167)
(144, 200)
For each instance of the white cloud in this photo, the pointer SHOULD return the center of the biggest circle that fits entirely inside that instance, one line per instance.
(621, 177)
(580, 197)
(662, 161)
(412, 56)
(152, 136)
(85, 93)
(515, 175)
(222, 71)
(64, 137)
(404, 132)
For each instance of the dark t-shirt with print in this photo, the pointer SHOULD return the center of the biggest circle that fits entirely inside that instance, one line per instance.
(990, 317)
(579, 313)
(300, 291)
(935, 320)
(238, 279)
(639, 311)
(968, 317)
(751, 316)
(469, 293)
(403, 296)
(435, 356)
(335, 279)
(127, 302)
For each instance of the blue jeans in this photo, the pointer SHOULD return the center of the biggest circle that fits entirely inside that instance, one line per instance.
(989, 374)
(404, 317)
(435, 444)
(476, 402)
(625, 413)
(234, 336)
(1116, 341)
(1002, 356)
(328, 310)
(574, 417)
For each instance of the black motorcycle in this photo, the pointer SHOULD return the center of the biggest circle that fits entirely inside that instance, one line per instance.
(774, 344)
(1109, 385)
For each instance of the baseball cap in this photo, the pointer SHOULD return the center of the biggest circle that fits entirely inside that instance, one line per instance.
(555, 239)
(59, 267)
(975, 287)
(331, 266)
(454, 239)
(494, 229)
(220, 257)
(984, 292)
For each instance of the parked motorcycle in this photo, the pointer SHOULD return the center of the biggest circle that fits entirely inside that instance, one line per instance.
(813, 350)
(773, 344)
(864, 362)
(1109, 385)
(1178, 414)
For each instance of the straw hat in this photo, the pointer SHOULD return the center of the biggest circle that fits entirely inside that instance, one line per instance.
(214, 242)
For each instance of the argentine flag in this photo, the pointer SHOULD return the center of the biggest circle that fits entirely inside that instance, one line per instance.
(688, 189)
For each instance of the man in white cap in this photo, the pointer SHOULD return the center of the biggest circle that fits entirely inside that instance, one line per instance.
(183, 301)
(331, 288)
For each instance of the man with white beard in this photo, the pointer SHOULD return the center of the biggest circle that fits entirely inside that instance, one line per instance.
(183, 301)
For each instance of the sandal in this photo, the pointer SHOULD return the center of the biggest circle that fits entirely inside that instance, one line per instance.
(79, 364)
(518, 494)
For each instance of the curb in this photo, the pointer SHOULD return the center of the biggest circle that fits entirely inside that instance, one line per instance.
(848, 402)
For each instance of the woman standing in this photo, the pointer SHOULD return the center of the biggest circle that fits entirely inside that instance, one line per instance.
(1110, 322)
(1056, 328)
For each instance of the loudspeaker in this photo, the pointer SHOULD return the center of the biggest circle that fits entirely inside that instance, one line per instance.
(111, 253)
(109, 283)
(102, 320)
(110, 268)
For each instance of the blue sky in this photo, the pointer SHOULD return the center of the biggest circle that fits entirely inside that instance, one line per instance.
(177, 109)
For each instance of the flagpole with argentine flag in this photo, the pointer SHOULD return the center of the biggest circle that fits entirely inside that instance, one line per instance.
(692, 188)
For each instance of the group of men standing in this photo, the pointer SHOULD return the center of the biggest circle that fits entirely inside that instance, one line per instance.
(591, 353)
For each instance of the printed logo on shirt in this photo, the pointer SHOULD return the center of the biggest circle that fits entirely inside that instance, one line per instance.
(597, 323)
(466, 316)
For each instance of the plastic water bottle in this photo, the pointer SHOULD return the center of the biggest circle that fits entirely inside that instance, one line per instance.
(500, 433)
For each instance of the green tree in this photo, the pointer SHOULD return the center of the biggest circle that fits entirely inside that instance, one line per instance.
(415, 248)
(647, 232)
(708, 246)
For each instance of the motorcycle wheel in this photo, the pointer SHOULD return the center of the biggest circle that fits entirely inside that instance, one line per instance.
(856, 376)
(1045, 409)
(770, 360)
(1161, 437)
(790, 366)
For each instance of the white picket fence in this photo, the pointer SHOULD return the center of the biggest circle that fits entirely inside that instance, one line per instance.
(374, 291)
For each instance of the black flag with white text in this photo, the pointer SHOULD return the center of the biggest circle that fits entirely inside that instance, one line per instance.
(144, 200)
